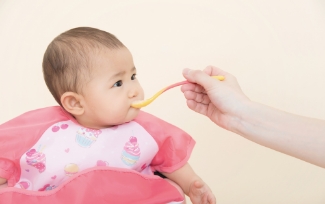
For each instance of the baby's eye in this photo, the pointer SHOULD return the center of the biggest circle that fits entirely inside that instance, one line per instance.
(118, 84)
(133, 76)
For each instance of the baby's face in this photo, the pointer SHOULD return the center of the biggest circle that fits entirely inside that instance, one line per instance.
(112, 88)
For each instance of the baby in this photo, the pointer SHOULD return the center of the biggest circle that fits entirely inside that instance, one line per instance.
(91, 74)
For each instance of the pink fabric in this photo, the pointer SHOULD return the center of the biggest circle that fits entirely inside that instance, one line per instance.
(18, 136)
(175, 145)
(66, 148)
(99, 185)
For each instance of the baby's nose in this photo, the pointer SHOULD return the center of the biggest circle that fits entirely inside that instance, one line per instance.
(133, 92)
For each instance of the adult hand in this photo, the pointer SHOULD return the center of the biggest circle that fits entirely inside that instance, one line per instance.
(226, 105)
(221, 101)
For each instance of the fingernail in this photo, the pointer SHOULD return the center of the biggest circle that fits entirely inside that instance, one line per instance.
(186, 71)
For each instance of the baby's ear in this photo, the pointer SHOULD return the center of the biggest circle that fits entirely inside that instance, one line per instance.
(71, 102)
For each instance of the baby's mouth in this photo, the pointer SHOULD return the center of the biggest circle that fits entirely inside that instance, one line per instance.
(137, 104)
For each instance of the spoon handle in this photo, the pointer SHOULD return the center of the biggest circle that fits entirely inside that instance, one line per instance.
(221, 78)
(149, 100)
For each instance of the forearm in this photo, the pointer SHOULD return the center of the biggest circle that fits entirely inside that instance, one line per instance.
(298, 136)
(184, 177)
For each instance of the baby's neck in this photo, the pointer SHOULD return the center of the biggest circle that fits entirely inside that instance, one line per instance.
(82, 121)
(91, 125)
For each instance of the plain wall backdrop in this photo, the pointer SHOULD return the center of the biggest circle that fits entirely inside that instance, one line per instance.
(276, 49)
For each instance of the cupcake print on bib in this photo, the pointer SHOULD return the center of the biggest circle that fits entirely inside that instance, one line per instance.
(36, 159)
(131, 152)
(85, 137)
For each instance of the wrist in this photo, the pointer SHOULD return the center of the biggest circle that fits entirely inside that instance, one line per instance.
(2, 181)
(239, 122)
(192, 183)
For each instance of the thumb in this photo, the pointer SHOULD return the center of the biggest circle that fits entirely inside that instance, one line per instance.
(199, 77)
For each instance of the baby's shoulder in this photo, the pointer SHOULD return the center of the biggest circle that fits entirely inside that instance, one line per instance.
(38, 116)
(157, 126)
(145, 116)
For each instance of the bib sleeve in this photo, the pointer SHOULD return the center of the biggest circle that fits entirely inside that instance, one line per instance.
(175, 145)
(19, 134)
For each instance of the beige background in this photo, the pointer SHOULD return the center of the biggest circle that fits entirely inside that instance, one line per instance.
(275, 48)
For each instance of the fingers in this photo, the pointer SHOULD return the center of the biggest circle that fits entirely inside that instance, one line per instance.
(197, 107)
(192, 87)
(199, 102)
(197, 97)
(200, 77)
(214, 71)
(201, 194)
(211, 199)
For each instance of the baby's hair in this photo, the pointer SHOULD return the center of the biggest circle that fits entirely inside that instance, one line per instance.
(67, 60)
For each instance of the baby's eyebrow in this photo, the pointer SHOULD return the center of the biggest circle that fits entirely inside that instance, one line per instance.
(123, 72)
(118, 74)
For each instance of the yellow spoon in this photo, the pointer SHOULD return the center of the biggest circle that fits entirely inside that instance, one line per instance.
(143, 103)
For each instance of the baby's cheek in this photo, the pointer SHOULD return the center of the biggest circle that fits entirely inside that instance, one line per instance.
(118, 113)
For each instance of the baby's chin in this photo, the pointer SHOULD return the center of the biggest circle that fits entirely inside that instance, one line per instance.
(135, 112)
(131, 115)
